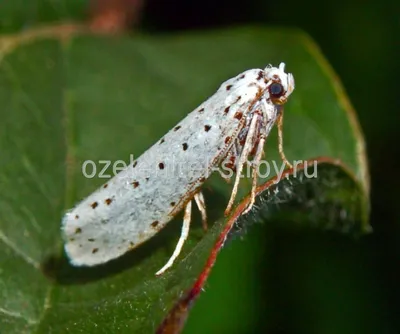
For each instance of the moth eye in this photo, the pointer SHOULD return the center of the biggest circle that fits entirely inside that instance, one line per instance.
(276, 89)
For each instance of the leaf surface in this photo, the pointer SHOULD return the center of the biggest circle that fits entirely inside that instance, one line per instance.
(70, 98)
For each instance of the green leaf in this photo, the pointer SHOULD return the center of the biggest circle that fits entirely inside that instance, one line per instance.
(20, 14)
(66, 100)
(318, 194)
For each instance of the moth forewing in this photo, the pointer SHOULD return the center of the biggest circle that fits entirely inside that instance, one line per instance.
(136, 203)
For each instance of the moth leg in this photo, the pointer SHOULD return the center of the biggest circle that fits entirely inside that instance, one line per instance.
(247, 148)
(182, 238)
(280, 140)
(229, 164)
(199, 198)
(255, 165)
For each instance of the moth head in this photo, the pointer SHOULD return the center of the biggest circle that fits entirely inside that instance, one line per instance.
(280, 84)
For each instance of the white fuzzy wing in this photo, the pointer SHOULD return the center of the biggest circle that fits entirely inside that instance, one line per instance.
(136, 203)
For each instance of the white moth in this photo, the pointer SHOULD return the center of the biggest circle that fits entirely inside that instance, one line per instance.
(134, 205)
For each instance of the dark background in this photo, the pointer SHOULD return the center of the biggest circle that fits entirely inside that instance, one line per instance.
(282, 281)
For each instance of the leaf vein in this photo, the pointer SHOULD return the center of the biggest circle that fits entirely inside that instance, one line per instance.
(18, 251)
(14, 314)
